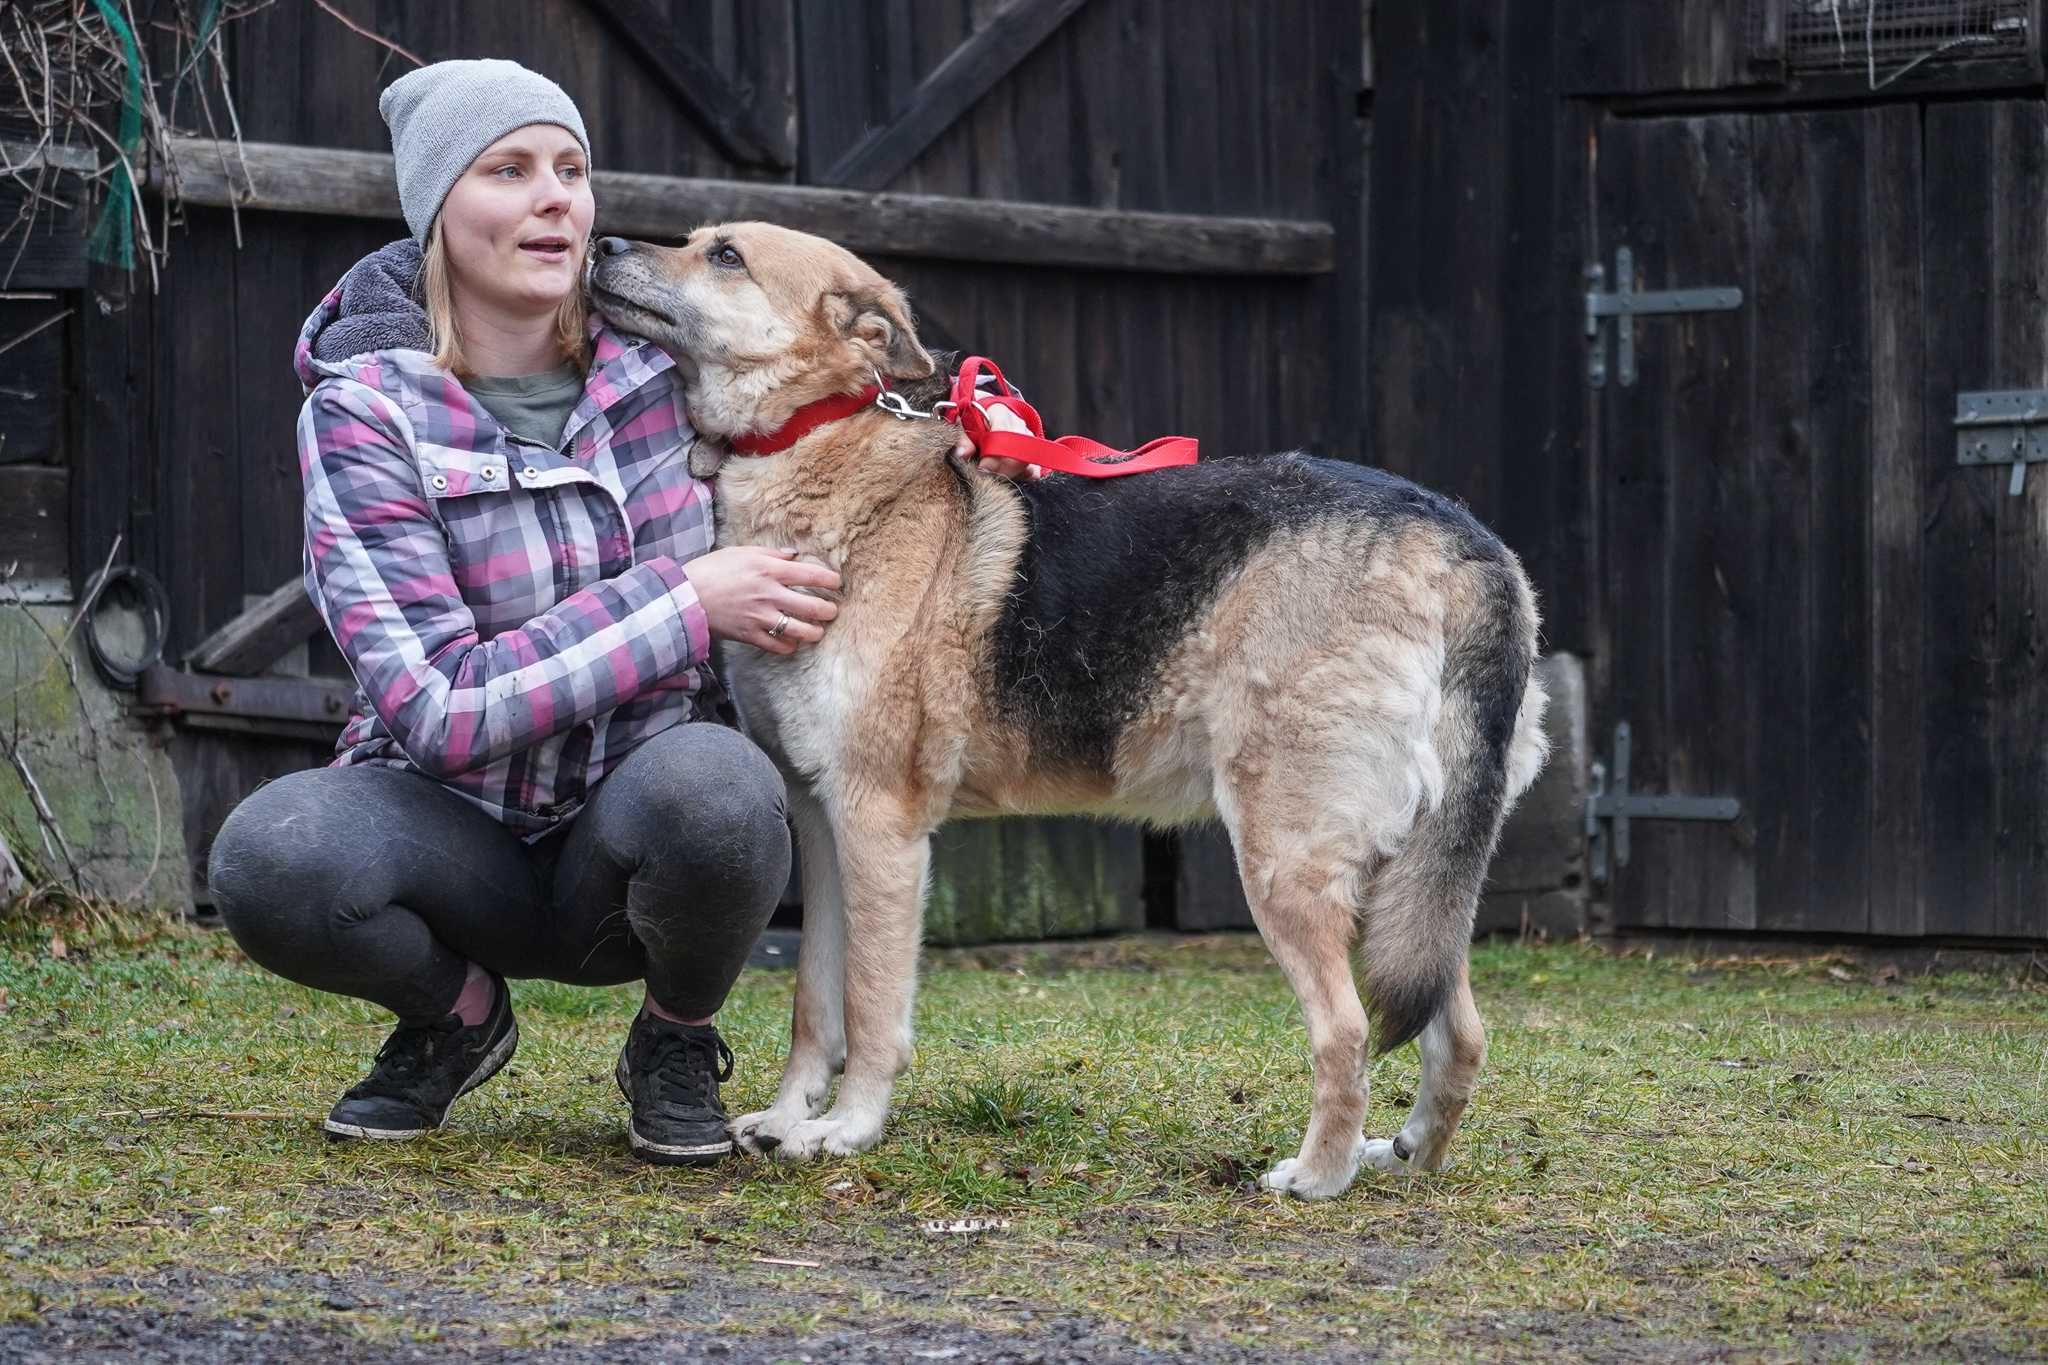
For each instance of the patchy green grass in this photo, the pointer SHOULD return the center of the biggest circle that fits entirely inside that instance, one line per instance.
(1791, 1159)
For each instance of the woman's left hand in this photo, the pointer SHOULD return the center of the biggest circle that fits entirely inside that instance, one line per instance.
(1015, 470)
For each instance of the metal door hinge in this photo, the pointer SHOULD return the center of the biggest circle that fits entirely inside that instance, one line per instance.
(1625, 304)
(2006, 426)
(1610, 806)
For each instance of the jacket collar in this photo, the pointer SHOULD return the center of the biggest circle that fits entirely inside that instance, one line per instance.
(372, 328)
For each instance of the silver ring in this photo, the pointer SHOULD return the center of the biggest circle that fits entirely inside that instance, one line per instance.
(781, 624)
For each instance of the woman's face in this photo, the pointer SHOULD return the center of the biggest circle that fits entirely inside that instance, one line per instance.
(516, 222)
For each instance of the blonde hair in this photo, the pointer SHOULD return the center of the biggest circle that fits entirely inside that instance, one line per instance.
(444, 335)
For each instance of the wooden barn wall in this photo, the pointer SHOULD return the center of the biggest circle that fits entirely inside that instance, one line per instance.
(189, 402)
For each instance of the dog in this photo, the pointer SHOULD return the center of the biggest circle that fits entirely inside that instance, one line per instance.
(1335, 662)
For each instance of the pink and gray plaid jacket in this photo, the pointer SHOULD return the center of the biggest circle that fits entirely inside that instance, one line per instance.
(517, 618)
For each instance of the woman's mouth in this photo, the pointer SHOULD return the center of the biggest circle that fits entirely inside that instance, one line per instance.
(551, 249)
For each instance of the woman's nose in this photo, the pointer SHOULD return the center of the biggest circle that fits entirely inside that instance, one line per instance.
(613, 246)
(555, 196)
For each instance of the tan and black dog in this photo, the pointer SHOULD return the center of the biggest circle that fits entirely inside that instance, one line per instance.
(1335, 662)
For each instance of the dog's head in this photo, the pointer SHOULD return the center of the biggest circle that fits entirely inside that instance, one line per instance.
(761, 320)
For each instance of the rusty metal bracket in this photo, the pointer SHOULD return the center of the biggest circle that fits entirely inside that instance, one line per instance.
(300, 701)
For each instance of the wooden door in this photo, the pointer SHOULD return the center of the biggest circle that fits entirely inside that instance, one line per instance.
(1809, 605)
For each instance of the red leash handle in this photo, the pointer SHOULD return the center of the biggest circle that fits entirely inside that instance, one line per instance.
(1069, 454)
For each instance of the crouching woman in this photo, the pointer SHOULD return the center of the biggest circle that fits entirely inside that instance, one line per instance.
(504, 539)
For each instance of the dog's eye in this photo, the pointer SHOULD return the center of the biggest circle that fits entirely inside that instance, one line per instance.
(725, 254)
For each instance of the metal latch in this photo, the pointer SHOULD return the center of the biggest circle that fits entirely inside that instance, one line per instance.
(1610, 805)
(2009, 426)
(1625, 304)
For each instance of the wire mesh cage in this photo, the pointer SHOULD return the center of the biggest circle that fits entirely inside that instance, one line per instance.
(1888, 38)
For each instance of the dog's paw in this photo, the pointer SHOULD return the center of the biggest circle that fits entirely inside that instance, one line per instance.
(1381, 1155)
(1296, 1177)
(833, 1135)
(763, 1131)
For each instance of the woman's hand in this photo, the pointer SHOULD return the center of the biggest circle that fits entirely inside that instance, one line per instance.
(746, 590)
(1015, 470)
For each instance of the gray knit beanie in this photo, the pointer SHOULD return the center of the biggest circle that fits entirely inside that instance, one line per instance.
(443, 116)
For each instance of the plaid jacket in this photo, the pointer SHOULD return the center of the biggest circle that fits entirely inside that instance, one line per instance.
(517, 618)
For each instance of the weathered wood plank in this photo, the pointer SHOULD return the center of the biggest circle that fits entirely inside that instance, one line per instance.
(1208, 894)
(2018, 261)
(833, 57)
(34, 393)
(1897, 609)
(257, 638)
(197, 456)
(1778, 298)
(43, 247)
(1544, 485)
(1031, 879)
(360, 184)
(711, 100)
(963, 78)
(110, 499)
(35, 522)
(1624, 47)
(1813, 324)
(1960, 720)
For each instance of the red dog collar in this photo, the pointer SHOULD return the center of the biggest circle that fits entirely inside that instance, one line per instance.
(803, 422)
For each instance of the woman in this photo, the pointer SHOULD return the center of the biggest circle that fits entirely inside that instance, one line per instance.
(504, 539)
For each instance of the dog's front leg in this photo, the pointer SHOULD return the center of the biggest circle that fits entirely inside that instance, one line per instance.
(882, 878)
(817, 1033)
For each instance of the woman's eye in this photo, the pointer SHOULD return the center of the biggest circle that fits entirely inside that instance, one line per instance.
(506, 172)
(570, 172)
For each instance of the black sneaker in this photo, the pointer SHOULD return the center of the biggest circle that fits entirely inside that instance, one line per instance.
(669, 1073)
(421, 1070)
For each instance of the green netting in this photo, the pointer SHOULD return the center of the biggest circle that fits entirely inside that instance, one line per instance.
(113, 238)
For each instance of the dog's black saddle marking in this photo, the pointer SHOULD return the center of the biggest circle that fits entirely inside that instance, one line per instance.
(1116, 571)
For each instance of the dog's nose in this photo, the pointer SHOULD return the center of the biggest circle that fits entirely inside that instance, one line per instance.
(613, 246)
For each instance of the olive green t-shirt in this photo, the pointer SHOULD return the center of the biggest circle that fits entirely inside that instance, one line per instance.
(533, 406)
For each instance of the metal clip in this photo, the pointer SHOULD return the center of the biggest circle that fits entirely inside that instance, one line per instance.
(897, 406)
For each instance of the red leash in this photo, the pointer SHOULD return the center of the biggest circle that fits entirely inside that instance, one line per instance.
(1068, 454)
(970, 409)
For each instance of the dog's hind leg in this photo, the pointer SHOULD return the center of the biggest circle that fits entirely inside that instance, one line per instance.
(817, 1034)
(882, 877)
(1301, 891)
(1305, 916)
(1453, 1050)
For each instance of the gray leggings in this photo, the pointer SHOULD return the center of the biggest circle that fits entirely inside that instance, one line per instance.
(383, 884)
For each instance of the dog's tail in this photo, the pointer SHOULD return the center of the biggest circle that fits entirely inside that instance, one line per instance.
(1488, 738)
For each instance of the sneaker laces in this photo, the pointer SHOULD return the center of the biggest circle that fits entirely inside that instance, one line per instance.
(411, 1048)
(682, 1061)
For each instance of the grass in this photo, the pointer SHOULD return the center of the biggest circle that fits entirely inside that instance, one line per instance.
(1664, 1156)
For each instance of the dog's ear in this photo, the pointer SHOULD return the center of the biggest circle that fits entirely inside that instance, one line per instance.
(879, 320)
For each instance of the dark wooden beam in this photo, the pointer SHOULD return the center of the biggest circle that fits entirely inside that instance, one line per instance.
(259, 636)
(733, 123)
(952, 88)
(326, 180)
